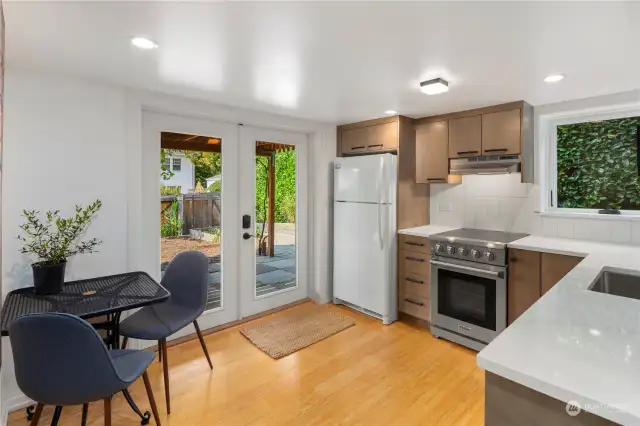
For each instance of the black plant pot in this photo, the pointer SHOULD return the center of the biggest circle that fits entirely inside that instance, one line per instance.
(48, 279)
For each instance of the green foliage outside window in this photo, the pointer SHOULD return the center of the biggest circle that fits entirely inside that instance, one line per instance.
(285, 187)
(597, 164)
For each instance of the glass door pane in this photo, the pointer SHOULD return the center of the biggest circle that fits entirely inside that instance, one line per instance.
(191, 202)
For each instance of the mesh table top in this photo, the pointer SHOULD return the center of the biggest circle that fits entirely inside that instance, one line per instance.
(86, 298)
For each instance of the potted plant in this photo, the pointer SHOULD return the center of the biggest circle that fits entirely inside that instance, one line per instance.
(53, 241)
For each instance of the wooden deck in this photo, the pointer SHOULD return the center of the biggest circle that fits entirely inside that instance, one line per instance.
(369, 374)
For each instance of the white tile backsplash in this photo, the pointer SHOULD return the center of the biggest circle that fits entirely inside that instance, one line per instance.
(502, 202)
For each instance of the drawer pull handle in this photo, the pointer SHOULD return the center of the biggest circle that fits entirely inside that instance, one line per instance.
(436, 179)
(467, 152)
(378, 144)
(357, 147)
(496, 150)
(414, 259)
(414, 302)
(411, 243)
(414, 281)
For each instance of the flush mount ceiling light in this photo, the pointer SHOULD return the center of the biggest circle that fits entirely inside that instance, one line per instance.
(391, 112)
(435, 86)
(553, 78)
(144, 43)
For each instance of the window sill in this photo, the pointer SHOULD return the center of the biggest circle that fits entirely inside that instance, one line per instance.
(589, 215)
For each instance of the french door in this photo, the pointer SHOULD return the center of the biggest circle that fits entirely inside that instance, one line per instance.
(273, 203)
(256, 243)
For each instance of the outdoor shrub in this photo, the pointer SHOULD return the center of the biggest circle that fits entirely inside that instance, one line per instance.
(170, 190)
(597, 164)
(172, 226)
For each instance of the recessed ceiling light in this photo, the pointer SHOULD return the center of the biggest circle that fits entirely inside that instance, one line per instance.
(144, 43)
(391, 112)
(553, 78)
(435, 86)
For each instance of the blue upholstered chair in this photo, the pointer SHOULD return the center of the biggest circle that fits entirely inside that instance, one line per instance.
(187, 278)
(61, 360)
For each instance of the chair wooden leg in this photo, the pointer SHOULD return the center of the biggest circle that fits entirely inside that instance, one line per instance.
(125, 339)
(85, 412)
(159, 351)
(107, 411)
(202, 343)
(152, 400)
(36, 414)
(165, 367)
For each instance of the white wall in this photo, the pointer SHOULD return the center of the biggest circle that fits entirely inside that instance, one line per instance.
(501, 202)
(64, 144)
(65, 141)
(184, 178)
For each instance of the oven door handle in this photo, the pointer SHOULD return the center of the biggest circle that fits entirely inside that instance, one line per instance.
(465, 268)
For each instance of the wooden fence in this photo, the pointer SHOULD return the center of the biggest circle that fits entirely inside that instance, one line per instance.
(197, 210)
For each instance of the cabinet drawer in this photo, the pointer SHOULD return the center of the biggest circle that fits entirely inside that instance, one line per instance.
(411, 243)
(415, 284)
(414, 263)
(415, 306)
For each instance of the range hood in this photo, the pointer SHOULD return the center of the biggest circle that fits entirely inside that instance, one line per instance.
(491, 164)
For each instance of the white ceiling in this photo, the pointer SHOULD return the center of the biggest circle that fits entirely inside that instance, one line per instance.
(337, 62)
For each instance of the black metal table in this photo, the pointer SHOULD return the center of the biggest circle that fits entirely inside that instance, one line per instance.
(101, 297)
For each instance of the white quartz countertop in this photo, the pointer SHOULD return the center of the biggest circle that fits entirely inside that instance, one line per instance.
(426, 231)
(575, 344)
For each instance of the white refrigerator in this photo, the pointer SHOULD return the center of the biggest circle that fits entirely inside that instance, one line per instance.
(364, 239)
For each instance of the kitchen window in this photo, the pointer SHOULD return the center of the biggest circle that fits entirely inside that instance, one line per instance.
(594, 164)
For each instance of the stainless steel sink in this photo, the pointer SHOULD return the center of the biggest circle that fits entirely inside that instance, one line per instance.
(618, 283)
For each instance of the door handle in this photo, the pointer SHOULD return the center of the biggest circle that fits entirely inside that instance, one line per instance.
(247, 235)
(357, 147)
(376, 145)
(496, 150)
(414, 302)
(436, 179)
(414, 281)
(467, 152)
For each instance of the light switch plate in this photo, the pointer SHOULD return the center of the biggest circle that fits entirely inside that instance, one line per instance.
(445, 207)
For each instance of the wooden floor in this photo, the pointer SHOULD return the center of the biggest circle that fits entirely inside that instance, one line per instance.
(368, 375)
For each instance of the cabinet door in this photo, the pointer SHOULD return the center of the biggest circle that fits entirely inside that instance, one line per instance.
(383, 137)
(523, 283)
(501, 132)
(354, 140)
(465, 136)
(554, 267)
(432, 152)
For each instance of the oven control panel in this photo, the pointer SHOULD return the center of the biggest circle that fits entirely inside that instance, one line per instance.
(473, 253)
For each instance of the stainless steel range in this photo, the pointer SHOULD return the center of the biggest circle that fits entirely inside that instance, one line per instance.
(469, 285)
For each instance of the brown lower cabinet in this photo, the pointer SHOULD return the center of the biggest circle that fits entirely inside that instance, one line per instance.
(414, 277)
(532, 274)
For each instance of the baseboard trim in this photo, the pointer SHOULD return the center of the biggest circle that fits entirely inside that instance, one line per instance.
(16, 403)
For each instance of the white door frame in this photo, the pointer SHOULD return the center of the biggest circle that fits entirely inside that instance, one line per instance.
(250, 304)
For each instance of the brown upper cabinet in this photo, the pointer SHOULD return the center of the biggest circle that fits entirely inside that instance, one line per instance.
(501, 132)
(374, 137)
(432, 154)
(465, 136)
(505, 129)
(355, 140)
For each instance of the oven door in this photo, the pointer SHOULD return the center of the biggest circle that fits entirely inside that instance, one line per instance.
(468, 298)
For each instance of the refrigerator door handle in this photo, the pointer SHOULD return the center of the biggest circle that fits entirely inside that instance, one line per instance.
(380, 189)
